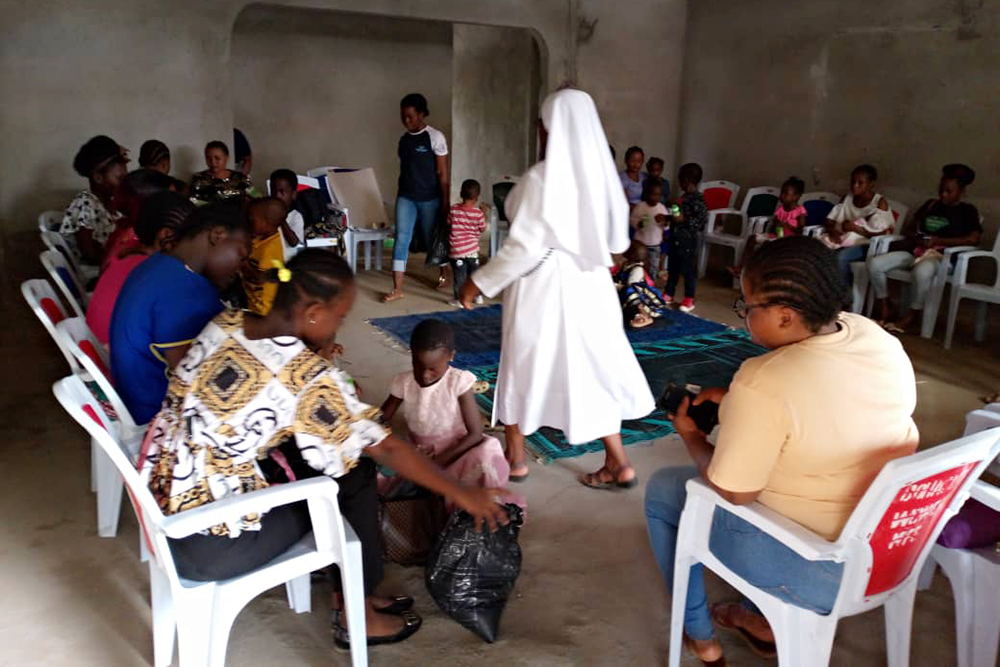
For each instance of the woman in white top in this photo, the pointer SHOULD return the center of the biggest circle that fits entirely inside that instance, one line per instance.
(565, 361)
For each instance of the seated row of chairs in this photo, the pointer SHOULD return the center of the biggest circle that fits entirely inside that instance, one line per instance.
(756, 212)
(199, 614)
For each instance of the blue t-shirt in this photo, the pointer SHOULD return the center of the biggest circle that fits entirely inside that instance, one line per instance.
(633, 189)
(162, 304)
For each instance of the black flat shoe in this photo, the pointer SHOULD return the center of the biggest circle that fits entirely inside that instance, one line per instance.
(342, 640)
(400, 603)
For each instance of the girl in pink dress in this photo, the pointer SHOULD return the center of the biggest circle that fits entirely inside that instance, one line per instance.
(439, 406)
(789, 220)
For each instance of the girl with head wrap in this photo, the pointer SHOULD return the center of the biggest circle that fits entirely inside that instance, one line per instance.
(565, 361)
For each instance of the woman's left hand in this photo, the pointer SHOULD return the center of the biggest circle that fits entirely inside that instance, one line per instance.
(468, 293)
(682, 422)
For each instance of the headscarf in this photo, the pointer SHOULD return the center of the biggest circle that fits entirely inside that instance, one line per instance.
(583, 202)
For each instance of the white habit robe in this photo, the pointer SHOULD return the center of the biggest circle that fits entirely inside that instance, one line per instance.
(565, 360)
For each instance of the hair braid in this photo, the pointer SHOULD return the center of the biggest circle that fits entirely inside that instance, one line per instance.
(315, 273)
(801, 273)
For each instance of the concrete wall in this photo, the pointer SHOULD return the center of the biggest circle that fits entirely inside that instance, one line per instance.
(630, 58)
(312, 87)
(494, 104)
(774, 88)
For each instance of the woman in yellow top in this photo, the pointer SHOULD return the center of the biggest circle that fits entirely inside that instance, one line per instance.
(804, 429)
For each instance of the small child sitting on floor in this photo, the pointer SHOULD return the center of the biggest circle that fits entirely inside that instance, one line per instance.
(648, 219)
(641, 301)
(266, 217)
(441, 414)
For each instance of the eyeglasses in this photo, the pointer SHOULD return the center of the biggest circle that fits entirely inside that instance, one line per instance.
(742, 308)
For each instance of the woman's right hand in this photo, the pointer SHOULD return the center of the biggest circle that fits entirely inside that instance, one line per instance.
(483, 505)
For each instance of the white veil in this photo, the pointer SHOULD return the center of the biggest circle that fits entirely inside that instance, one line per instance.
(583, 202)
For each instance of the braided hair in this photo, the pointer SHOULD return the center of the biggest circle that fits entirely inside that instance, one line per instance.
(315, 273)
(161, 210)
(801, 273)
(153, 152)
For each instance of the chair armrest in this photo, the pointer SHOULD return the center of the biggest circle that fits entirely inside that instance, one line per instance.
(760, 223)
(962, 264)
(796, 537)
(987, 494)
(192, 521)
(813, 230)
(880, 244)
(948, 252)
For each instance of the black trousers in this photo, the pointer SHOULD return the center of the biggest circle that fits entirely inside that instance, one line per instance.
(683, 261)
(462, 268)
(212, 558)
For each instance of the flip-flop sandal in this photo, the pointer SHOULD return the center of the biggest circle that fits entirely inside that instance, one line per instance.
(392, 296)
(761, 647)
(342, 639)
(687, 641)
(590, 480)
(893, 328)
(400, 603)
(517, 479)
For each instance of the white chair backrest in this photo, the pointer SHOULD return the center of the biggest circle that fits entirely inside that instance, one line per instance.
(50, 221)
(90, 354)
(66, 279)
(980, 420)
(719, 194)
(901, 514)
(899, 213)
(308, 182)
(84, 408)
(49, 310)
(766, 191)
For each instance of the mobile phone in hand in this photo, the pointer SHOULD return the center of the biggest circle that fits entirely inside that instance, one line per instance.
(705, 416)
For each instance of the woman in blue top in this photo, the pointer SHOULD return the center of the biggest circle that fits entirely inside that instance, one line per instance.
(423, 186)
(168, 299)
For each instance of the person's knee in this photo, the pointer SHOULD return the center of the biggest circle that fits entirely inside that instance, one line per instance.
(667, 486)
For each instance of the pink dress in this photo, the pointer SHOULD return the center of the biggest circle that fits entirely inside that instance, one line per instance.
(102, 302)
(435, 423)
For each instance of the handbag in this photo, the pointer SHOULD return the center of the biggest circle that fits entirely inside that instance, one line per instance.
(410, 527)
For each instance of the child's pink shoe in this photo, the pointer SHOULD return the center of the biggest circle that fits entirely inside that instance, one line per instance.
(687, 305)
(667, 299)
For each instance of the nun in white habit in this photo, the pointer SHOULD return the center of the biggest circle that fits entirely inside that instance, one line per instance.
(565, 361)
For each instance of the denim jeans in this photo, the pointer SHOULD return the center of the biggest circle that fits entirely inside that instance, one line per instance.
(462, 268)
(854, 253)
(752, 554)
(922, 274)
(413, 217)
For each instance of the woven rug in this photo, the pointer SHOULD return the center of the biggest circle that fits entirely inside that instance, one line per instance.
(709, 360)
(477, 332)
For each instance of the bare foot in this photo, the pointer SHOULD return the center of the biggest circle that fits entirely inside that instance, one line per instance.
(394, 295)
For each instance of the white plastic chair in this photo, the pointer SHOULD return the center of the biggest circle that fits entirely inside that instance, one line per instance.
(974, 574)
(370, 239)
(89, 353)
(982, 293)
(66, 280)
(859, 289)
(499, 222)
(201, 614)
(882, 547)
(942, 279)
(49, 310)
(719, 194)
(50, 221)
(758, 202)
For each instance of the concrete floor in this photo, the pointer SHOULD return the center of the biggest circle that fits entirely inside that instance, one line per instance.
(589, 593)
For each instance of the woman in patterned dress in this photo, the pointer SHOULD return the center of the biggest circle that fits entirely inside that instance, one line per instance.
(256, 401)
(218, 182)
(93, 214)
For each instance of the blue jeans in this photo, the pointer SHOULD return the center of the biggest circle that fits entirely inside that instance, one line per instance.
(412, 217)
(854, 253)
(752, 554)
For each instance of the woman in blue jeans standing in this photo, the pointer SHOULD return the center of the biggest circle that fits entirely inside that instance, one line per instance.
(783, 441)
(423, 186)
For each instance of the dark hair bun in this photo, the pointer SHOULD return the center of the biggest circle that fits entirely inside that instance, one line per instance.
(97, 152)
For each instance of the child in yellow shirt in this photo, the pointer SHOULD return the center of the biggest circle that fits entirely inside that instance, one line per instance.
(266, 216)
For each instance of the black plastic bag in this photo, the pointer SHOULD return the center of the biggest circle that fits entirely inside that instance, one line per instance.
(437, 253)
(470, 574)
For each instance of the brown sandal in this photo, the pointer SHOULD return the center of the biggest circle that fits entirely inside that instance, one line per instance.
(609, 481)
(761, 647)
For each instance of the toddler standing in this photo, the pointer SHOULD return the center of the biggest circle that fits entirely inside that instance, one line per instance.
(685, 236)
(648, 219)
(466, 224)
(441, 414)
